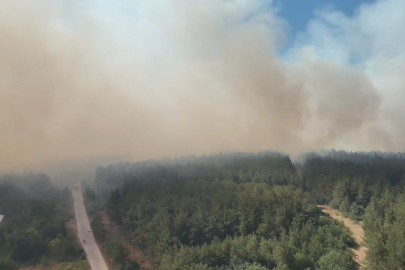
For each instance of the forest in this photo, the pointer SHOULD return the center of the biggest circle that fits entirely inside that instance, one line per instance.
(259, 211)
(367, 187)
(229, 211)
(33, 230)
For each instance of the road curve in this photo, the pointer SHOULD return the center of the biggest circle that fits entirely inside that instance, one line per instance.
(93, 253)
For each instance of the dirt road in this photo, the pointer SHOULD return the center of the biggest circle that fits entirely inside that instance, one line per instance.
(355, 228)
(93, 253)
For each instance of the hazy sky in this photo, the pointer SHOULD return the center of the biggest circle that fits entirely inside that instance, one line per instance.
(155, 78)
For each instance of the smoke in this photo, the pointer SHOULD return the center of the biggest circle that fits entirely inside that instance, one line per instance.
(80, 79)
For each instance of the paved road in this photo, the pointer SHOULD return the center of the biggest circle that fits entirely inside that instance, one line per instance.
(93, 253)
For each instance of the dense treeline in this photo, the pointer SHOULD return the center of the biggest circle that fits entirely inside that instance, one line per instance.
(34, 227)
(368, 186)
(240, 211)
(384, 224)
(201, 167)
(348, 181)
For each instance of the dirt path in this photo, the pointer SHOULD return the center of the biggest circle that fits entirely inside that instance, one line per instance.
(355, 228)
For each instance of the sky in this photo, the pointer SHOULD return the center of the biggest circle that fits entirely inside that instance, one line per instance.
(298, 12)
(154, 78)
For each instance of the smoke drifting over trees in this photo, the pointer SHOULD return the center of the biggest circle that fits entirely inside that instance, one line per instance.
(155, 78)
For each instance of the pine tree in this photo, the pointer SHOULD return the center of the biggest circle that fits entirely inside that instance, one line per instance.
(339, 194)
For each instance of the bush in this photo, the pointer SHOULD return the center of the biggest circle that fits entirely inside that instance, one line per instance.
(98, 228)
(117, 252)
(8, 264)
(336, 260)
(131, 265)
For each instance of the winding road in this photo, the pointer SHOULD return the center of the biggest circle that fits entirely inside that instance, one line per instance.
(93, 253)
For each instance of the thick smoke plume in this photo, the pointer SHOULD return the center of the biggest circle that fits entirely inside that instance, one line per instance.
(80, 79)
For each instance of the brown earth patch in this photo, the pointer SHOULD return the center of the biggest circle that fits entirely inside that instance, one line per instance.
(356, 228)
